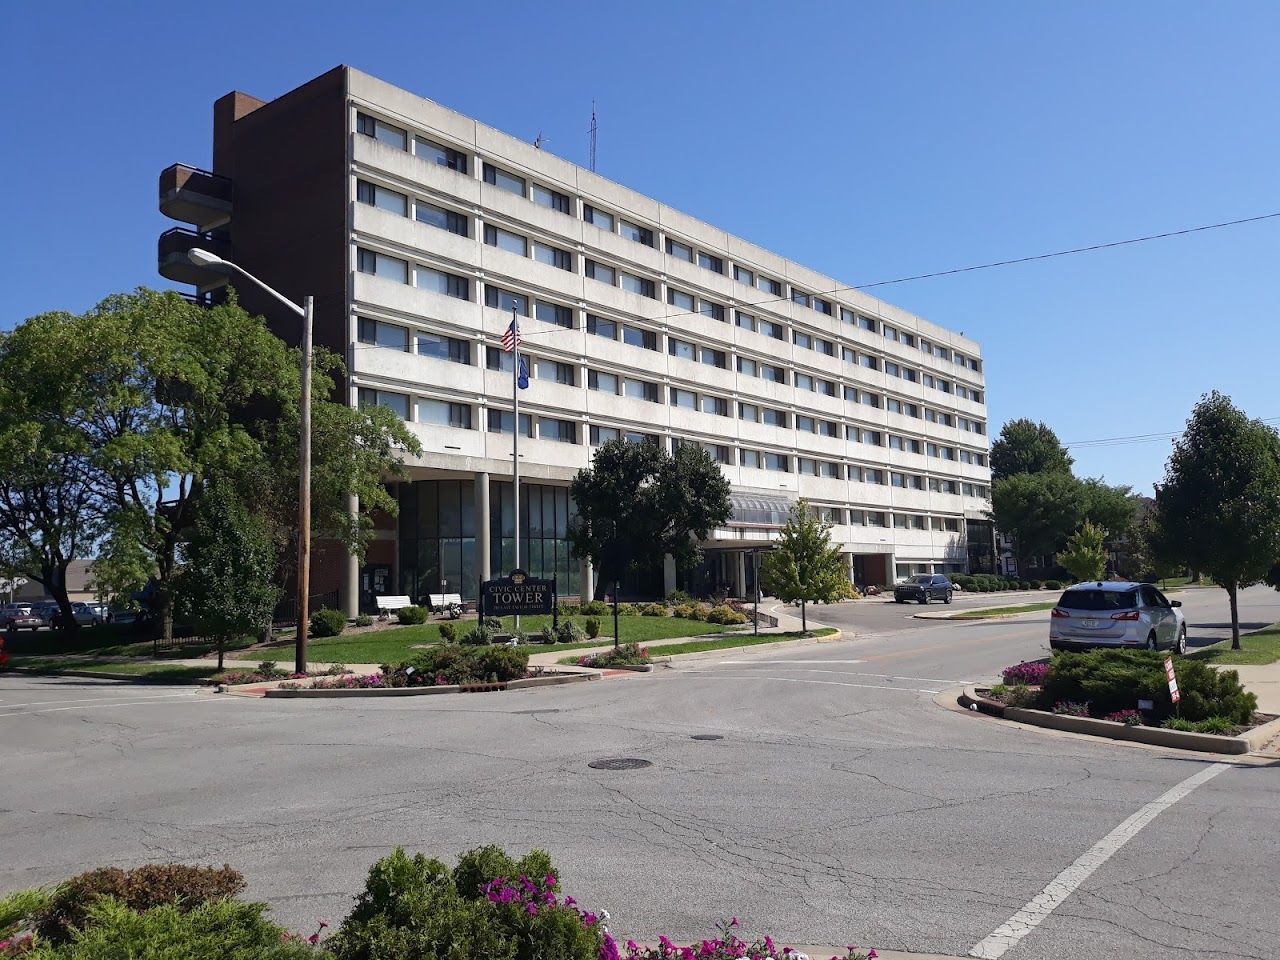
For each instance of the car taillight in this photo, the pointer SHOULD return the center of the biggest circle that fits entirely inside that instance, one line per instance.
(1058, 612)
(1127, 615)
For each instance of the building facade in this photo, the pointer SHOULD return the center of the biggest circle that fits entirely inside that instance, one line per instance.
(417, 230)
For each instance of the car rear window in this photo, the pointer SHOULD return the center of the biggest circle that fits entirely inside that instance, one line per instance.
(1099, 599)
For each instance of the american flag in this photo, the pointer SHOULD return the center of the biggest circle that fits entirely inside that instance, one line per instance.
(511, 339)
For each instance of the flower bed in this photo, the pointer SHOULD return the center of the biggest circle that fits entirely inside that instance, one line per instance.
(267, 671)
(627, 655)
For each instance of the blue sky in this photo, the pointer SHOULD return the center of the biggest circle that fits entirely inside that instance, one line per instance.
(869, 141)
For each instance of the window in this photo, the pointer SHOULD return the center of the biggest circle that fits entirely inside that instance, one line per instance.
(505, 300)
(495, 358)
(632, 436)
(928, 380)
(908, 338)
(640, 390)
(598, 326)
(748, 411)
(681, 349)
(926, 346)
(743, 275)
(828, 428)
(561, 316)
(434, 216)
(848, 355)
(974, 365)
(546, 197)
(848, 316)
(601, 435)
(445, 414)
(939, 351)
(773, 287)
(443, 348)
(382, 132)
(554, 371)
(681, 251)
(778, 462)
(893, 406)
(500, 422)
(503, 180)
(890, 368)
(895, 442)
(873, 477)
(773, 373)
(856, 518)
(910, 373)
(504, 240)
(900, 520)
(641, 285)
(802, 340)
(911, 410)
(825, 387)
(822, 306)
(913, 446)
(771, 329)
(601, 272)
(398, 402)
(748, 367)
(437, 281)
(958, 358)
(714, 358)
(915, 482)
(712, 310)
(640, 338)
(678, 298)
(851, 394)
(866, 323)
(807, 466)
(875, 518)
(440, 155)
(800, 297)
(380, 265)
(604, 382)
(891, 333)
(744, 320)
(552, 256)
(898, 480)
(381, 334)
(715, 405)
(708, 262)
(870, 399)
(774, 418)
(805, 424)
(382, 198)
(633, 231)
(804, 381)
(684, 398)
(868, 361)
(719, 452)
(828, 469)
(749, 458)
(562, 431)
(825, 347)
(594, 215)
(872, 437)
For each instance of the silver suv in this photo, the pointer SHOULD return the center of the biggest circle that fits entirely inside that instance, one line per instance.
(1104, 614)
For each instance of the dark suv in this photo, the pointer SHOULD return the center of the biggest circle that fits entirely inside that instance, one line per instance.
(924, 588)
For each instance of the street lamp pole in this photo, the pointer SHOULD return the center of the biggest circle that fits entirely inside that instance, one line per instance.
(202, 258)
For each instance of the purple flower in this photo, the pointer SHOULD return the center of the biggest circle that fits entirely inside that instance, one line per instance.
(532, 908)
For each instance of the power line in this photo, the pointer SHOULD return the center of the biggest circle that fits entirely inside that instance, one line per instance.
(1142, 437)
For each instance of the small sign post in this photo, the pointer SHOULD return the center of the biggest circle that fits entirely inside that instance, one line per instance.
(516, 595)
(1174, 695)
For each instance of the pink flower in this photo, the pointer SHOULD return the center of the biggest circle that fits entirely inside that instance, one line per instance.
(872, 955)
(533, 909)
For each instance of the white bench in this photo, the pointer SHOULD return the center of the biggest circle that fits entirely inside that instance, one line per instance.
(450, 603)
(387, 604)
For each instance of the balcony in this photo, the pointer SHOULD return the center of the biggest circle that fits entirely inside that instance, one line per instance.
(172, 262)
(195, 196)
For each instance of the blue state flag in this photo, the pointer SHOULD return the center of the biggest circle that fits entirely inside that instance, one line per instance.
(522, 378)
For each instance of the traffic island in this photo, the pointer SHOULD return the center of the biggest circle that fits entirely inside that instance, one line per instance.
(543, 679)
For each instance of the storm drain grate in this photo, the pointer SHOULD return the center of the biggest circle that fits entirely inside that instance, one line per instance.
(706, 736)
(620, 763)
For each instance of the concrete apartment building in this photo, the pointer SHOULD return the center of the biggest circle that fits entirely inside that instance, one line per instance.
(417, 229)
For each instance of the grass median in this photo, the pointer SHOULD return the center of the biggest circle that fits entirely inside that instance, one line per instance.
(107, 669)
(1257, 649)
(1004, 611)
(718, 643)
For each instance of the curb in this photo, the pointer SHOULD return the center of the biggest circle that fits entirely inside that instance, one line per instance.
(97, 675)
(671, 659)
(310, 694)
(1108, 729)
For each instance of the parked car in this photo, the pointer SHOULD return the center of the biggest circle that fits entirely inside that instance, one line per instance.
(19, 616)
(924, 588)
(45, 610)
(84, 615)
(1117, 614)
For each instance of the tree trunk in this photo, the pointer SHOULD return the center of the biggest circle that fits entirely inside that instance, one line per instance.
(55, 582)
(804, 620)
(1232, 592)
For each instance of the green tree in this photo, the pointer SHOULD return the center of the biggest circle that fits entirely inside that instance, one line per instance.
(1110, 507)
(1216, 509)
(1025, 446)
(1086, 556)
(1038, 510)
(805, 566)
(636, 503)
(1142, 559)
(226, 582)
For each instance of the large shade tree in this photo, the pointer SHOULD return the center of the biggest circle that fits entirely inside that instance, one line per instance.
(1025, 446)
(1038, 510)
(637, 503)
(1216, 510)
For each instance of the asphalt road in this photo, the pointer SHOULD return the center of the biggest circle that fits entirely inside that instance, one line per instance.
(843, 804)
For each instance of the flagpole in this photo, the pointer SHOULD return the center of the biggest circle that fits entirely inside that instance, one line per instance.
(515, 436)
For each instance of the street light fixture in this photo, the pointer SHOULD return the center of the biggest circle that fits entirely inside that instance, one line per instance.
(203, 258)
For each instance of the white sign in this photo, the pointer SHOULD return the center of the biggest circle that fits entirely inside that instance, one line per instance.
(13, 584)
(1174, 695)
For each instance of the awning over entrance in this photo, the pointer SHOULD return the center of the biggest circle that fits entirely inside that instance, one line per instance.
(754, 510)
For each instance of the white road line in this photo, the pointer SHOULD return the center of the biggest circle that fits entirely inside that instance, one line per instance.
(844, 673)
(787, 661)
(43, 703)
(1064, 884)
(123, 703)
(829, 683)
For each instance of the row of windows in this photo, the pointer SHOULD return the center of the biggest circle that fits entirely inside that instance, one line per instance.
(494, 175)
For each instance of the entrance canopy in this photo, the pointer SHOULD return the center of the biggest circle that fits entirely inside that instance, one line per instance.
(759, 510)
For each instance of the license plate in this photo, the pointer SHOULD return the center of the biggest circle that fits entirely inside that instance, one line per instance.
(1089, 623)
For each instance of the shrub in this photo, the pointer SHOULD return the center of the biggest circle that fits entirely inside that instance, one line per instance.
(628, 610)
(628, 654)
(1037, 584)
(1022, 696)
(677, 597)
(493, 623)
(1130, 718)
(461, 664)
(1053, 584)
(1024, 584)
(684, 611)
(569, 632)
(999, 691)
(327, 623)
(725, 614)
(1219, 725)
(699, 611)
(567, 609)
(1026, 674)
(1071, 709)
(412, 615)
(593, 627)
(654, 610)
(448, 633)
(364, 620)
(595, 608)
(142, 888)
(547, 634)
(1178, 723)
(478, 636)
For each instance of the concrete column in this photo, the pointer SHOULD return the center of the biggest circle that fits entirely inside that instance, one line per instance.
(483, 561)
(668, 574)
(351, 573)
(395, 542)
(740, 574)
(588, 575)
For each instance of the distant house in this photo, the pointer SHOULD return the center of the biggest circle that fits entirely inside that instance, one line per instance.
(79, 585)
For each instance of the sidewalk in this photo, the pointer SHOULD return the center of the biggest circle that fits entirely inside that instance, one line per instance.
(1263, 680)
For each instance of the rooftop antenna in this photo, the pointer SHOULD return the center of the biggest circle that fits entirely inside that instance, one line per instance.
(594, 129)
(539, 140)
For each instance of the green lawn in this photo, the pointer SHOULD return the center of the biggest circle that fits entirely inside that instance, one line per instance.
(109, 640)
(719, 643)
(1256, 648)
(147, 671)
(1004, 611)
(396, 644)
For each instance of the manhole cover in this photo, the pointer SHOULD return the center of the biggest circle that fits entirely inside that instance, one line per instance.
(706, 736)
(620, 763)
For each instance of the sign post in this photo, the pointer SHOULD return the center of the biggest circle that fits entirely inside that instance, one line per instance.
(517, 594)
